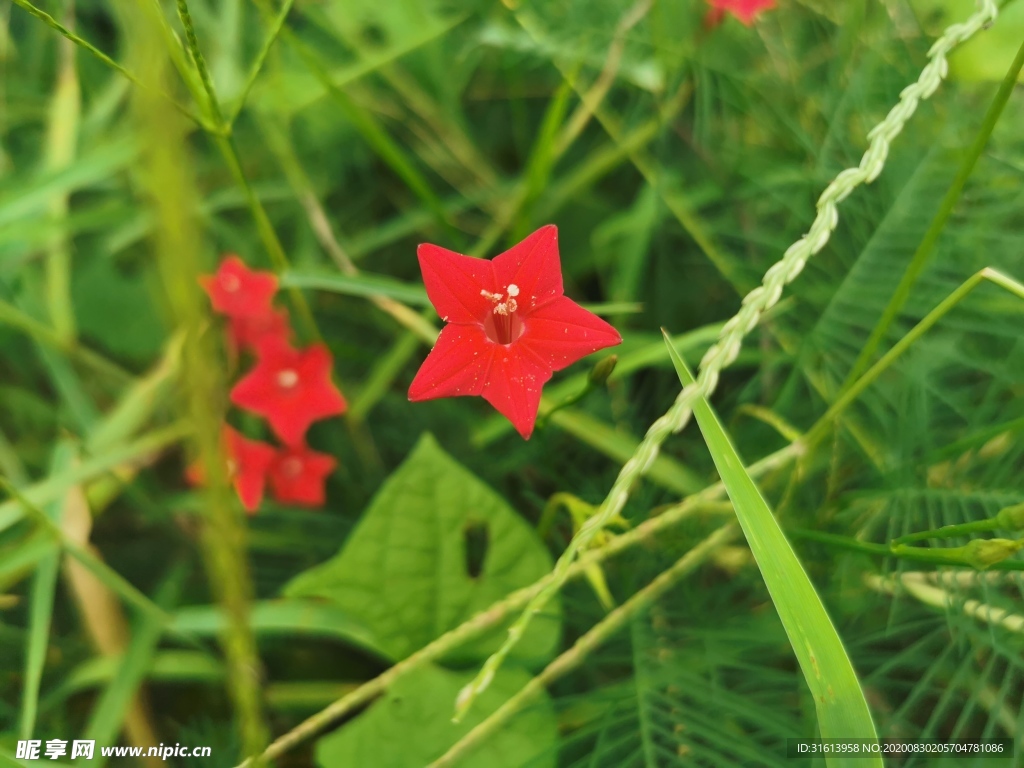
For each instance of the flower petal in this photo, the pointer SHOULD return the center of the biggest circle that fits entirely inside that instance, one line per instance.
(533, 266)
(247, 332)
(562, 332)
(251, 460)
(459, 364)
(514, 386)
(744, 10)
(249, 487)
(298, 474)
(454, 283)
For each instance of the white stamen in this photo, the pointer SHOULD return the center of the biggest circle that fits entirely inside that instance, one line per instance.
(231, 283)
(287, 378)
(506, 307)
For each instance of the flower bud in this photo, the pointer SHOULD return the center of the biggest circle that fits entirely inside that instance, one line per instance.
(1011, 518)
(982, 553)
(602, 370)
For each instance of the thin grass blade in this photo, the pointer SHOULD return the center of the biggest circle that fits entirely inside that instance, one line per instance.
(356, 285)
(41, 596)
(110, 711)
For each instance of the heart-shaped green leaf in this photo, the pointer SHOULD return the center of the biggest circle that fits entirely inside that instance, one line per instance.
(436, 546)
(411, 725)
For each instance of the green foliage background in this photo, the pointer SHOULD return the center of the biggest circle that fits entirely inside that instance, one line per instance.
(678, 161)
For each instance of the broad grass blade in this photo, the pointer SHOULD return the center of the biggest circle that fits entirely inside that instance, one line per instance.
(838, 698)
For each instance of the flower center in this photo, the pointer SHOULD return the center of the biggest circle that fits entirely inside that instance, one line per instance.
(503, 325)
(292, 466)
(232, 468)
(231, 283)
(287, 378)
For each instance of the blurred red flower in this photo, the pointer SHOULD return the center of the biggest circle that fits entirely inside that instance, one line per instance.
(248, 462)
(298, 474)
(744, 10)
(237, 291)
(509, 326)
(291, 388)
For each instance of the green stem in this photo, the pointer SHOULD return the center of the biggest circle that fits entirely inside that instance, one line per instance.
(265, 229)
(948, 532)
(952, 556)
(1009, 518)
(569, 401)
(384, 372)
(931, 237)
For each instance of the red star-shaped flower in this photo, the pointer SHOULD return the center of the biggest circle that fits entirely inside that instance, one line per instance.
(744, 10)
(248, 464)
(249, 331)
(298, 474)
(237, 291)
(508, 326)
(291, 388)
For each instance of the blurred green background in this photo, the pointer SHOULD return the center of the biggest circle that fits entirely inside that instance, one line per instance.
(679, 160)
